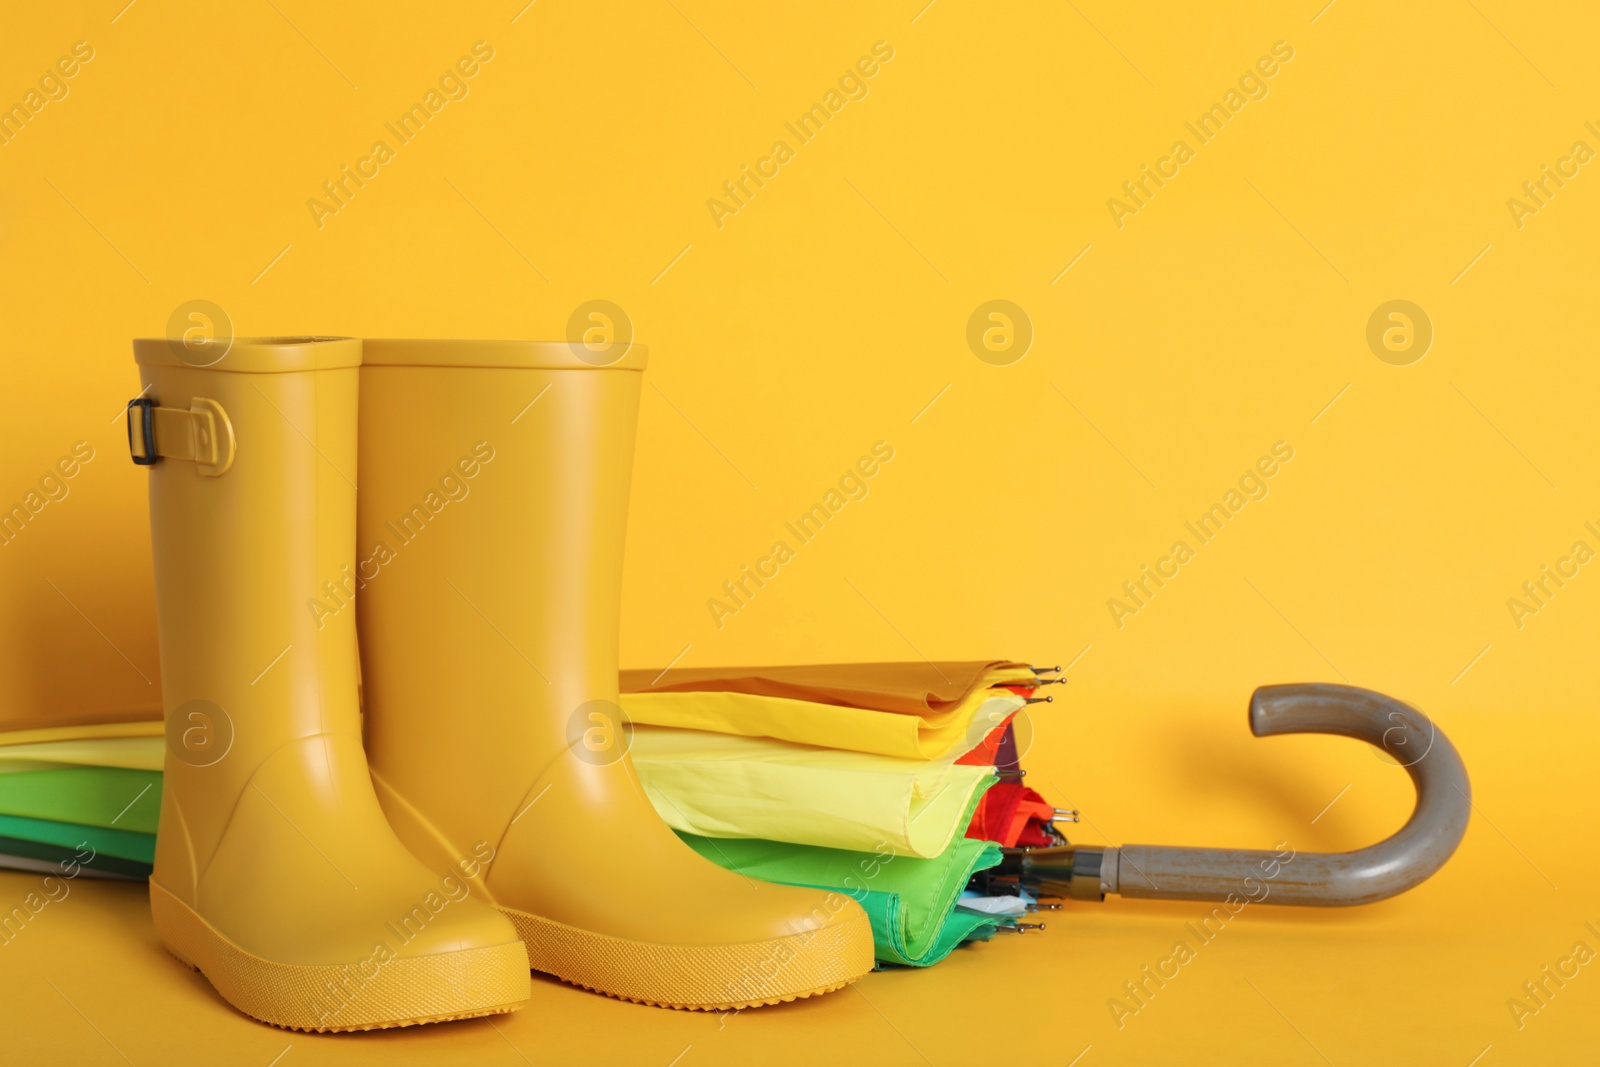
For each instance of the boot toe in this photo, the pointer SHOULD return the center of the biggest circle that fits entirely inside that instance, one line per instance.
(828, 947)
(379, 988)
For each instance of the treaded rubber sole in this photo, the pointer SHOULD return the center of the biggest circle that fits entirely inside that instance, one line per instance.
(699, 977)
(730, 1006)
(404, 991)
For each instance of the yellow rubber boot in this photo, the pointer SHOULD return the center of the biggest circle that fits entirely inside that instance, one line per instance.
(494, 492)
(276, 874)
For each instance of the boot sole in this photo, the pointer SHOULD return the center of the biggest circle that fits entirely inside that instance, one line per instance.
(405, 991)
(699, 977)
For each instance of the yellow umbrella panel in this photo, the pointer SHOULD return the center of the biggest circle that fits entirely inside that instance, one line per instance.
(723, 786)
(932, 735)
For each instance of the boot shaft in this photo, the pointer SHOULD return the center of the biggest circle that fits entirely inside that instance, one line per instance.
(257, 638)
(491, 525)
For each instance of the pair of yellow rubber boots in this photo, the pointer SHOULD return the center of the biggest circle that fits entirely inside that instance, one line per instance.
(491, 820)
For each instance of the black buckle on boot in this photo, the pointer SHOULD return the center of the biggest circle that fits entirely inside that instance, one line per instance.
(147, 420)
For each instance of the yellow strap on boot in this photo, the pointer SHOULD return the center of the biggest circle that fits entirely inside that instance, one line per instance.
(200, 432)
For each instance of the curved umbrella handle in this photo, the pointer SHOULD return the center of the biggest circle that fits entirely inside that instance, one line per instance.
(1421, 847)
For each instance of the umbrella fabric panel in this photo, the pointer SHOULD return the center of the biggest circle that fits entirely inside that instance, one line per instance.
(62, 868)
(93, 796)
(1014, 905)
(93, 790)
(719, 785)
(885, 911)
(1006, 813)
(121, 844)
(98, 731)
(909, 688)
(934, 736)
(57, 855)
(986, 751)
(927, 889)
(133, 753)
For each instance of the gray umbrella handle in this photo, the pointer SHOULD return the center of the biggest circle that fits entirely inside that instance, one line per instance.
(1422, 845)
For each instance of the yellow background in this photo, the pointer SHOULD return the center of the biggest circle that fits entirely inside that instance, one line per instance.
(1229, 313)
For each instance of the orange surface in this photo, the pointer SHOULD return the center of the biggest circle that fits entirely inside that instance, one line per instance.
(1386, 161)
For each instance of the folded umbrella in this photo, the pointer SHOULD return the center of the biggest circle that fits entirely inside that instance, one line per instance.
(81, 796)
(843, 777)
